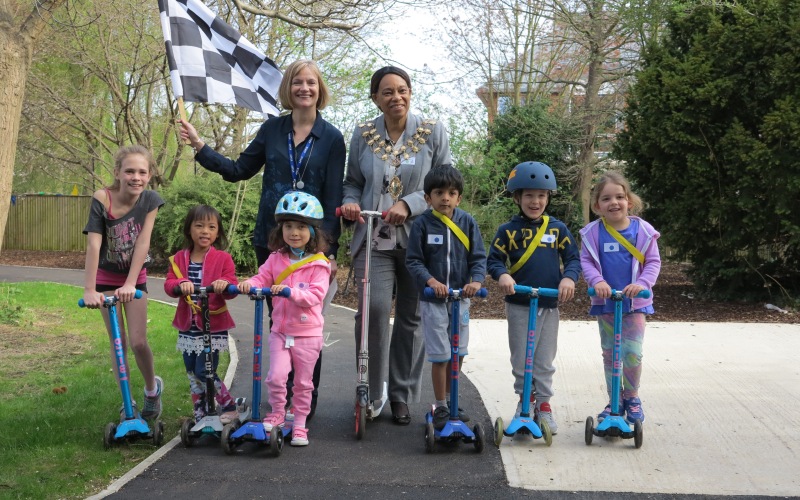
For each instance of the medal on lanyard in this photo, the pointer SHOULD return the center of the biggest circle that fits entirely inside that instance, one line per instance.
(294, 164)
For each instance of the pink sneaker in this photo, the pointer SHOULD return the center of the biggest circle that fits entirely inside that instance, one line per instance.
(273, 419)
(299, 436)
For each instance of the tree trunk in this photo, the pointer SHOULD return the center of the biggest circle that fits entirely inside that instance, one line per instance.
(586, 159)
(15, 59)
(16, 53)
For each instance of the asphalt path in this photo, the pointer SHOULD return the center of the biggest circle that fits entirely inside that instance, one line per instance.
(390, 462)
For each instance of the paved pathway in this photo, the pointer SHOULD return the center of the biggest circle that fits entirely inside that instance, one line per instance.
(723, 404)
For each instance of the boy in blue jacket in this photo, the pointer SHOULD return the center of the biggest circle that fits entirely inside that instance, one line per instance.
(529, 250)
(445, 251)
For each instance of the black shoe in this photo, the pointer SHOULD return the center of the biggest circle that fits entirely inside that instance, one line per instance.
(400, 414)
(440, 417)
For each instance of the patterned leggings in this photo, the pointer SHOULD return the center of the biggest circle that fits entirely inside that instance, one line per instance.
(633, 326)
(195, 371)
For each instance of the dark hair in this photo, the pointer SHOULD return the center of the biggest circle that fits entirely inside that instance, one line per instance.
(203, 212)
(443, 177)
(317, 243)
(375, 82)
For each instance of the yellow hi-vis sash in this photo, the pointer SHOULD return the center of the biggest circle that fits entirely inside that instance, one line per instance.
(537, 239)
(622, 241)
(453, 227)
(297, 265)
(195, 308)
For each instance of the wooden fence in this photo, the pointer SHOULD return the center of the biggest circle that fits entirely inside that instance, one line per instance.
(47, 222)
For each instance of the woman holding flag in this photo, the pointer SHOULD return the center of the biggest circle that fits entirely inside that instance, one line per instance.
(299, 151)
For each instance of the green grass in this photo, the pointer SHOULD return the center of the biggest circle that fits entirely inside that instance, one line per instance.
(51, 444)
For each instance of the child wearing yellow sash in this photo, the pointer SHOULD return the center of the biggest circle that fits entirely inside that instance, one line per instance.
(620, 251)
(445, 251)
(298, 262)
(201, 262)
(535, 250)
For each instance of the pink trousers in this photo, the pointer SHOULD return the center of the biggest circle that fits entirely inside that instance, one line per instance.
(302, 356)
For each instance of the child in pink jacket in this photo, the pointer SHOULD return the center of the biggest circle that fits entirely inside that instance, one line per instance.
(202, 263)
(298, 262)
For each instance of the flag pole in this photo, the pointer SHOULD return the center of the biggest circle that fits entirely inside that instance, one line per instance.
(182, 113)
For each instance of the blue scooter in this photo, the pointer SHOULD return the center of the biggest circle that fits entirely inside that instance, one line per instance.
(455, 429)
(615, 424)
(132, 426)
(210, 424)
(252, 430)
(524, 423)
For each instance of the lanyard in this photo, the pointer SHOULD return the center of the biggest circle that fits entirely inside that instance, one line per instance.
(292, 268)
(625, 243)
(294, 163)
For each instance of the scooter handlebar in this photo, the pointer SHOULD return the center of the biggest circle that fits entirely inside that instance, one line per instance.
(538, 292)
(111, 299)
(255, 291)
(644, 294)
(431, 294)
(209, 290)
(368, 213)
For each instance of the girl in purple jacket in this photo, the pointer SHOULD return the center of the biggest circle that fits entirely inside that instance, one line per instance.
(202, 263)
(298, 262)
(620, 252)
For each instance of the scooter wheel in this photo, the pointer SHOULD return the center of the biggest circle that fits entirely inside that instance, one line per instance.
(225, 438)
(430, 437)
(589, 433)
(186, 433)
(638, 434)
(547, 434)
(276, 441)
(158, 433)
(361, 421)
(498, 431)
(480, 437)
(108, 435)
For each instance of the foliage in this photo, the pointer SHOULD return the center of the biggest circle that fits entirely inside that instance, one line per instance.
(209, 189)
(531, 132)
(11, 312)
(713, 139)
(58, 393)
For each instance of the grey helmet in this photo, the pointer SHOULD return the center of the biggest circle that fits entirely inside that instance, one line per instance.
(531, 175)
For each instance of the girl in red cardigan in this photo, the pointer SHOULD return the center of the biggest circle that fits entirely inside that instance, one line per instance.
(202, 263)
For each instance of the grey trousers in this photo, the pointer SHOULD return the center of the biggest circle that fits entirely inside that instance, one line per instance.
(545, 347)
(395, 356)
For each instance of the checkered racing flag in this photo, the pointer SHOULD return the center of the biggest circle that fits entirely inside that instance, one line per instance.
(209, 61)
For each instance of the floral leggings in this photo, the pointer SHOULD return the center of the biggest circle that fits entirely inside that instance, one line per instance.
(633, 325)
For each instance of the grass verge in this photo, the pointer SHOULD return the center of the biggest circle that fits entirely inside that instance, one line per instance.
(59, 392)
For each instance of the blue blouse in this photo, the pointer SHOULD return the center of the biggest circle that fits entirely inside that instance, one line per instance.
(322, 172)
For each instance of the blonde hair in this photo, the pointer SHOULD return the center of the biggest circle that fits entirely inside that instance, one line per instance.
(285, 90)
(635, 204)
(127, 151)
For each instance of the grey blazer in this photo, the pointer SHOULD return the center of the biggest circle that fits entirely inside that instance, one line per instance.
(364, 178)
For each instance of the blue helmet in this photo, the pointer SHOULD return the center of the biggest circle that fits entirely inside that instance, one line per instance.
(531, 175)
(299, 206)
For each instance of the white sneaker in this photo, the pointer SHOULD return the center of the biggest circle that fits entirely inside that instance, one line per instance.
(299, 436)
(543, 412)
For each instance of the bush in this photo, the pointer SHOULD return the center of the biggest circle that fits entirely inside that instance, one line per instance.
(209, 189)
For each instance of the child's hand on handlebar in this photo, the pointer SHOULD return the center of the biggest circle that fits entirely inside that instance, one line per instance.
(471, 289)
(93, 299)
(244, 286)
(507, 283)
(187, 288)
(220, 286)
(602, 290)
(566, 289)
(125, 293)
(439, 289)
(632, 290)
(276, 289)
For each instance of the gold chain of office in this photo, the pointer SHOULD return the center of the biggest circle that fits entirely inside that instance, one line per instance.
(384, 151)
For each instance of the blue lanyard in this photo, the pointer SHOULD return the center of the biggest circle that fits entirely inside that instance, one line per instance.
(294, 163)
